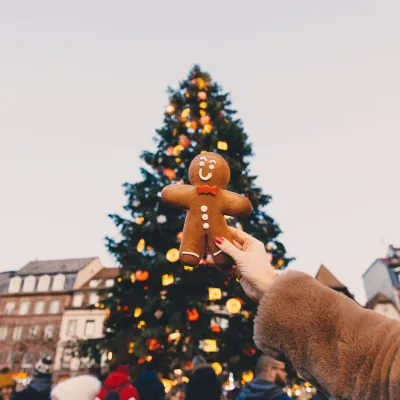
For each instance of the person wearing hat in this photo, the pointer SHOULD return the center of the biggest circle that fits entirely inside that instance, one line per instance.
(39, 387)
(84, 387)
(7, 384)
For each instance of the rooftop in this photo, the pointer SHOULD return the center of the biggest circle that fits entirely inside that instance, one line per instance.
(379, 298)
(72, 265)
(108, 273)
(326, 277)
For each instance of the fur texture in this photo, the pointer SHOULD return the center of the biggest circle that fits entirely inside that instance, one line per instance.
(346, 351)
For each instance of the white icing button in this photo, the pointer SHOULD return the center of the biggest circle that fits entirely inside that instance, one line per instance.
(204, 217)
(203, 208)
(206, 226)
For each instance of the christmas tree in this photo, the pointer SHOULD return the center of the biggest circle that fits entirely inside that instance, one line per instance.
(162, 312)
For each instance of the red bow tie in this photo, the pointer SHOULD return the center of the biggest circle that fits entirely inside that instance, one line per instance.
(205, 189)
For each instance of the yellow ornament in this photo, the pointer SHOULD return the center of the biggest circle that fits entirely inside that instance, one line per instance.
(133, 278)
(131, 347)
(200, 83)
(178, 160)
(139, 220)
(222, 145)
(214, 294)
(210, 346)
(138, 312)
(170, 109)
(141, 324)
(246, 314)
(149, 358)
(140, 246)
(119, 279)
(172, 255)
(177, 150)
(269, 246)
(207, 129)
(167, 384)
(233, 306)
(217, 367)
(248, 376)
(185, 113)
(203, 105)
(280, 262)
(167, 280)
(174, 337)
(203, 113)
(187, 268)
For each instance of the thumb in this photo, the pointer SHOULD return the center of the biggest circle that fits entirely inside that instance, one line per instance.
(229, 248)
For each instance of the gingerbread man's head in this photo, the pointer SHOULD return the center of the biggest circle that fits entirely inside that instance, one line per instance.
(209, 169)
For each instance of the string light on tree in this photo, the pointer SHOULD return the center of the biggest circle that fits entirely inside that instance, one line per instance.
(222, 145)
(217, 367)
(170, 109)
(233, 306)
(153, 344)
(185, 113)
(174, 337)
(137, 312)
(248, 376)
(205, 119)
(209, 345)
(207, 129)
(202, 95)
(167, 279)
(214, 294)
(139, 220)
(141, 324)
(172, 255)
(169, 173)
(192, 314)
(203, 105)
(140, 246)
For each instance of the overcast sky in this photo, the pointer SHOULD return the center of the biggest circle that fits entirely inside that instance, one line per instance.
(317, 84)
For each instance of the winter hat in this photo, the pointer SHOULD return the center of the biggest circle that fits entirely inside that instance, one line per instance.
(6, 380)
(124, 370)
(84, 387)
(43, 367)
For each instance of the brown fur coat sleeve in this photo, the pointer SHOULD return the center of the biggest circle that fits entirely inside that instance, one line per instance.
(347, 351)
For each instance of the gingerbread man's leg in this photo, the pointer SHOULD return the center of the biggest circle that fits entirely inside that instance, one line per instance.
(192, 246)
(220, 258)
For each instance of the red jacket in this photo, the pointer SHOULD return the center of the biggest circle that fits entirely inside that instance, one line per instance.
(119, 382)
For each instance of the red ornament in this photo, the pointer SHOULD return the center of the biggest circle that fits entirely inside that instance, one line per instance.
(192, 314)
(169, 173)
(141, 361)
(125, 308)
(153, 344)
(193, 81)
(170, 150)
(205, 119)
(249, 351)
(184, 140)
(216, 328)
(142, 276)
(202, 95)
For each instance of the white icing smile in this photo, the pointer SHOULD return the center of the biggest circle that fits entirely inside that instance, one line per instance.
(202, 164)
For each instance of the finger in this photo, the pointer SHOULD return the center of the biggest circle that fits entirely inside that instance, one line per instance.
(237, 244)
(236, 272)
(227, 247)
(239, 236)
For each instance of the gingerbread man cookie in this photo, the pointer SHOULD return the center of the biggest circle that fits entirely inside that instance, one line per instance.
(206, 201)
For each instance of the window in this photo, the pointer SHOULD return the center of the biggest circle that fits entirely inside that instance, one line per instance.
(58, 282)
(71, 327)
(49, 332)
(17, 334)
(89, 328)
(3, 332)
(9, 307)
(24, 307)
(44, 283)
(77, 300)
(93, 283)
(29, 284)
(54, 307)
(12, 357)
(33, 332)
(109, 282)
(93, 298)
(39, 307)
(15, 284)
(27, 360)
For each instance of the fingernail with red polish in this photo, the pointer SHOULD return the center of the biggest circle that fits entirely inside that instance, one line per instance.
(219, 239)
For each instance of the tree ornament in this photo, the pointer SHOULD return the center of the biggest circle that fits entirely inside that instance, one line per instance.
(179, 236)
(161, 219)
(131, 347)
(249, 351)
(214, 294)
(193, 81)
(184, 140)
(178, 150)
(135, 203)
(233, 306)
(200, 83)
(169, 173)
(202, 95)
(142, 276)
(208, 345)
(133, 278)
(170, 150)
(202, 113)
(140, 245)
(217, 367)
(185, 113)
(203, 105)
(192, 314)
(222, 145)
(246, 314)
(141, 324)
(280, 262)
(172, 255)
(248, 376)
(205, 119)
(167, 280)
(138, 312)
(170, 109)
(168, 384)
(174, 337)
(139, 220)
(207, 129)
(153, 344)
(158, 314)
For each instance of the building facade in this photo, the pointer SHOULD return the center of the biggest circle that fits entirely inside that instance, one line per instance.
(32, 307)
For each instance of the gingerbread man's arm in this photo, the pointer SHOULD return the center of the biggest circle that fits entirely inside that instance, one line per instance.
(177, 195)
(235, 205)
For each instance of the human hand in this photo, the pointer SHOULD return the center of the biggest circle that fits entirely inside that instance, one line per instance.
(256, 274)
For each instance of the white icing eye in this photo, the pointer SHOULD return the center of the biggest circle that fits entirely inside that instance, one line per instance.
(211, 166)
(202, 164)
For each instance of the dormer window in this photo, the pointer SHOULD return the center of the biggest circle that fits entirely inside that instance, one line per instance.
(44, 283)
(109, 283)
(93, 283)
(15, 284)
(58, 282)
(29, 284)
